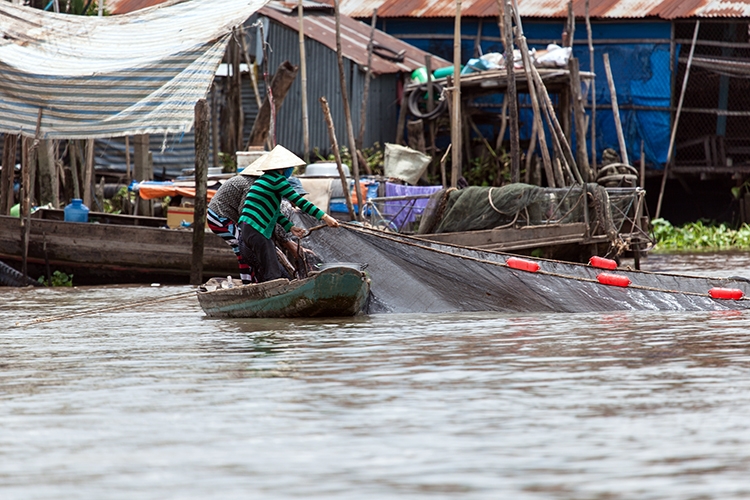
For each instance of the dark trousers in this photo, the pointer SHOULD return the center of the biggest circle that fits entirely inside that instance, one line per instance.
(261, 253)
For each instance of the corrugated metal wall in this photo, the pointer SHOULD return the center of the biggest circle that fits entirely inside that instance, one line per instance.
(323, 81)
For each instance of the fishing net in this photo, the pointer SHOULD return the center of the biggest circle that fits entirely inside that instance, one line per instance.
(410, 275)
(477, 208)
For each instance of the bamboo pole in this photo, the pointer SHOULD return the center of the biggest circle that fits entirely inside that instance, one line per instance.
(670, 150)
(214, 112)
(401, 123)
(127, 159)
(337, 155)
(201, 179)
(25, 209)
(579, 113)
(527, 65)
(28, 159)
(88, 173)
(368, 76)
(303, 83)
(567, 153)
(347, 113)
(512, 96)
(252, 68)
(590, 39)
(430, 102)
(616, 110)
(456, 99)
(10, 148)
(73, 154)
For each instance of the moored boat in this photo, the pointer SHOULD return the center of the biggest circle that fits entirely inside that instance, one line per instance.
(334, 291)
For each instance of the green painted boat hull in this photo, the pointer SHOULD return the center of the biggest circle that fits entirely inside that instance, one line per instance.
(337, 291)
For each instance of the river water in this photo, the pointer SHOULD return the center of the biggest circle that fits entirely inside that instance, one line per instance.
(155, 401)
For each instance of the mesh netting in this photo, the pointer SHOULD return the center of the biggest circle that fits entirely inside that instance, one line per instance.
(410, 275)
(477, 208)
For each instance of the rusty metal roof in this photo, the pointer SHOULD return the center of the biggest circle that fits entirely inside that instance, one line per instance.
(320, 25)
(355, 36)
(599, 9)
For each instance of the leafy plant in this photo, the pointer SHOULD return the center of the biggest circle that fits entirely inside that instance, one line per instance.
(699, 236)
(228, 163)
(58, 278)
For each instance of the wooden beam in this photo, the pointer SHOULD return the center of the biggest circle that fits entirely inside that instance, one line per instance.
(202, 127)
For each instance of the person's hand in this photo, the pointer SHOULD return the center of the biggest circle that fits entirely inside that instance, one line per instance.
(298, 232)
(330, 221)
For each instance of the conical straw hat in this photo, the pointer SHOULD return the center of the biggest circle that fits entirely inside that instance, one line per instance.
(279, 158)
(252, 169)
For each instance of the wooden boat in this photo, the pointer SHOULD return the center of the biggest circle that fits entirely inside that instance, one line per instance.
(334, 291)
(111, 249)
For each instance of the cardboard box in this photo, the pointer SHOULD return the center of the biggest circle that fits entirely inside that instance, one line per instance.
(176, 216)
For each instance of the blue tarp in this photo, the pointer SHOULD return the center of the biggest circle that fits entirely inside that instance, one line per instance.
(641, 72)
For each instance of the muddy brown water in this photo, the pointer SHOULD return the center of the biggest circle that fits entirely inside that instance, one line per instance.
(159, 402)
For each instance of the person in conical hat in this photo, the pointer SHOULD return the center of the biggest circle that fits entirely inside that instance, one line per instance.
(261, 212)
(223, 214)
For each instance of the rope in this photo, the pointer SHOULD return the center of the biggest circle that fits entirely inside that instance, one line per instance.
(88, 312)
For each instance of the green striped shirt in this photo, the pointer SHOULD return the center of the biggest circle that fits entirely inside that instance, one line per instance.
(261, 208)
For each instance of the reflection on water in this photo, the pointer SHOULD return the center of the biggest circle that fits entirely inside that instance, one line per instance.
(157, 401)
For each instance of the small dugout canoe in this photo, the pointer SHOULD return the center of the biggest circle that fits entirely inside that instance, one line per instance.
(334, 291)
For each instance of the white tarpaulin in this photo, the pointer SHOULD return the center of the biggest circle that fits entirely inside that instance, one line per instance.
(111, 76)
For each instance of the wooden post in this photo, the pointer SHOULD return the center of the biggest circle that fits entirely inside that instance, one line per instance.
(280, 85)
(73, 154)
(368, 76)
(214, 112)
(128, 174)
(25, 196)
(527, 63)
(415, 135)
(401, 114)
(456, 99)
(616, 111)
(337, 155)
(201, 177)
(430, 103)
(670, 150)
(512, 96)
(642, 180)
(303, 83)
(582, 156)
(237, 81)
(348, 114)
(564, 146)
(142, 170)
(590, 37)
(10, 147)
(49, 187)
(443, 173)
(88, 174)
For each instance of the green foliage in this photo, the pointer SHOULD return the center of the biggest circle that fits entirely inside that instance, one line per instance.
(699, 236)
(58, 278)
(483, 171)
(228, 163)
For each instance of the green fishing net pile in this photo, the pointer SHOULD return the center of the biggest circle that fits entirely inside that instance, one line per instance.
(476, 208)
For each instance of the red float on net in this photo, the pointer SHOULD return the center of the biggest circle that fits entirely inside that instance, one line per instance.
(522, 264)
(602, 263)
(613, 279)
(726, 293)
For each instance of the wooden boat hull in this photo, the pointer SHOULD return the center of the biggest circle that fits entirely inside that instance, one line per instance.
(104, 253)
(337, 291)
